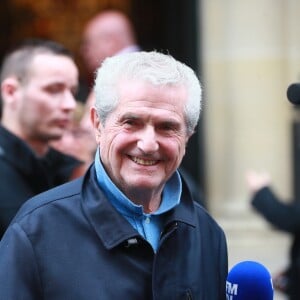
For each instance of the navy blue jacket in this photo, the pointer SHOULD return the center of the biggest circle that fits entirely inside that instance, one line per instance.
(23, 174)
(71, 244)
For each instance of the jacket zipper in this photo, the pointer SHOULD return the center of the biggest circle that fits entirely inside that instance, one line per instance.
(169, 229)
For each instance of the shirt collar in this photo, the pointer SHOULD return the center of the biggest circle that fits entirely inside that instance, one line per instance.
(170, 198)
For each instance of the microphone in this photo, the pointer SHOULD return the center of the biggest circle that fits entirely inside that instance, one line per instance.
(293, 93)
(249, 280)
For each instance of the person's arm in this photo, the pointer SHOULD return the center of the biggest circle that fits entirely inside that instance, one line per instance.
(19, 278)
(284, 216)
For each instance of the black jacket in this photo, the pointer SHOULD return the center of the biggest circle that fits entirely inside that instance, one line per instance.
(23, 174)
(284, 216)
(70, 243)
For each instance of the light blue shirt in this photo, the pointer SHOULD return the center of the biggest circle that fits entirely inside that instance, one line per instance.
(148, 226)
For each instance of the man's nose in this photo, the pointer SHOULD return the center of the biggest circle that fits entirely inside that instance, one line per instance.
(147, 141)
(68, 102)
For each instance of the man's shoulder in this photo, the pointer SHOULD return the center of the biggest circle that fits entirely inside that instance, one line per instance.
(60, 193)
(205, 218)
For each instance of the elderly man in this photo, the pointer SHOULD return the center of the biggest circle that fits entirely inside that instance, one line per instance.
(128, 229)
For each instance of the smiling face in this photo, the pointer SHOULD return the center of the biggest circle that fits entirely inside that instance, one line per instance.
(143, 140)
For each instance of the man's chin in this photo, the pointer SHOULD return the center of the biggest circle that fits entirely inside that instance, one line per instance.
(56, 137)
(53, 137)
(143, 184)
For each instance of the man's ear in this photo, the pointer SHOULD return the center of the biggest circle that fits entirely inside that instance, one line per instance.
(96, 123)
(9, 87)
(188, 136)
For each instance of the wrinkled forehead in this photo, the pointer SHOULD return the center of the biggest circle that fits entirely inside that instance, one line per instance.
(151, 83)
(140, 91)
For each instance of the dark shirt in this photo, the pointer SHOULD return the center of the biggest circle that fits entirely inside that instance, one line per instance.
(23, 174)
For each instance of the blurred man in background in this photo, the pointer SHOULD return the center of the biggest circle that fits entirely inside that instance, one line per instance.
(38, 83)
(108, 33)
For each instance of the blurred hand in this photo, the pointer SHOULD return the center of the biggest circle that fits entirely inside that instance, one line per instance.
(257, 180)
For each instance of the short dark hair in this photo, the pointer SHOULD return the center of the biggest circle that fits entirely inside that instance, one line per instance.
(17, 61)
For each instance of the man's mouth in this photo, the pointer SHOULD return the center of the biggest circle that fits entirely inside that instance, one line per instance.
(63, 122)
(143, 162)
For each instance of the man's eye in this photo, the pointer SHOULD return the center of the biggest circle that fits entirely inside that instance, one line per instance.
(167, 127)
(130, 122)
(54, 89)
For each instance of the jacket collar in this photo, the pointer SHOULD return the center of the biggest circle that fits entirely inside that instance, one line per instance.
(111, 227)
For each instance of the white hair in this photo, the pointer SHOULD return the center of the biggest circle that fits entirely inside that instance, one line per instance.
(152, 67)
